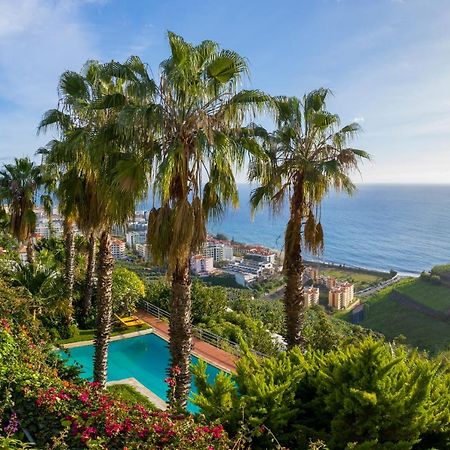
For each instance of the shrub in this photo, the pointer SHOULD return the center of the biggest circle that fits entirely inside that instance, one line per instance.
(368, 395)
(64, 414)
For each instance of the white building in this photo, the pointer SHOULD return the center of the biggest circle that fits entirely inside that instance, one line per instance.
(244, 279)
(202, 264)
(142, 251)
(117, 248)
(135, 237)
(261, 254)
(218, 251)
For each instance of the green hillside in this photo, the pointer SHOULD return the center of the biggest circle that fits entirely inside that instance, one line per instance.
(386, 316)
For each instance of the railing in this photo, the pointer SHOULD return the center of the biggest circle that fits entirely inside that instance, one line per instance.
(200, 333)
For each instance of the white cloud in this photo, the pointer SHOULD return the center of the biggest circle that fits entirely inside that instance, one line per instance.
(40, 39)
(359, 119)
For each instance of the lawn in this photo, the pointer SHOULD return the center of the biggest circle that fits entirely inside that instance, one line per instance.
(88, 335)
(432, 295)
(360, 279)
(129, 395)
(391, 319)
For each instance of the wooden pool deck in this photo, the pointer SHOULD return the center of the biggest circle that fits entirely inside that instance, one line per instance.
(213, 355)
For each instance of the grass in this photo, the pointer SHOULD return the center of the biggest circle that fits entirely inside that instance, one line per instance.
(360, 279)
(129, 395)
(88, 335)
(386, 316)
(432, 295)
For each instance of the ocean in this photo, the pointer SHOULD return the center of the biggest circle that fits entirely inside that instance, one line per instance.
(401, 227)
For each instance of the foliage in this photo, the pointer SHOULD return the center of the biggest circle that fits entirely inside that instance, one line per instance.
(129, 395)
(369, 395)
(127, 290)
(18, 185)
(47, 295)
(61, 414)
(238, 327)
(270, 312)
(383, 315)
(210, 310)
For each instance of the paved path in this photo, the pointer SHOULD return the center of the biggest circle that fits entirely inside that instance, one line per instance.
(213, 355)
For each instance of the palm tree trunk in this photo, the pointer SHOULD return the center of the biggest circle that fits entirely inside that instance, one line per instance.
(30, 251)
(104, 309)
(293, 270)
(87, 301)
(181, 334)
(69, 238)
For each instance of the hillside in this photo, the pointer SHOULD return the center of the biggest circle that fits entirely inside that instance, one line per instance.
(414, 308)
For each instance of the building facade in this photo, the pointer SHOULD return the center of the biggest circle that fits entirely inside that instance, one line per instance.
(117, 248)
(311, 296)
(202, 264)
(341, 296)
(217, 251)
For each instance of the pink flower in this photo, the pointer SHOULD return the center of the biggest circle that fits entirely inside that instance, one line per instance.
(170, 381)
(217, 431)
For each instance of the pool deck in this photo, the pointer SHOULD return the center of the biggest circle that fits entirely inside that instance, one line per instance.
(117, 337)
(213, 355)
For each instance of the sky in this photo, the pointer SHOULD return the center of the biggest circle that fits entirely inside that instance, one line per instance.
(386, 61)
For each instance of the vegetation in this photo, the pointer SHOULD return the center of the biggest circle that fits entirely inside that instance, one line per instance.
(130, 396)
(436, 296)
(368, 395)
(61, 411)
(191, 119)
(361, 279)
(386, 316)
(18, 186)
(102, 177)
(127, 291)
(307, 155)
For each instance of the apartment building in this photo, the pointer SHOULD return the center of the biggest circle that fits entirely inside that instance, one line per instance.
(341, 296)
(117, 248)
(311, 296)
(202, 264)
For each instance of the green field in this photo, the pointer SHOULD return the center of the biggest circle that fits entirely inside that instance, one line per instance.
(360, 279)
(432, 295)
(386, 316)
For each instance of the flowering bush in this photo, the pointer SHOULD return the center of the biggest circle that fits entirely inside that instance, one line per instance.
(68, 414)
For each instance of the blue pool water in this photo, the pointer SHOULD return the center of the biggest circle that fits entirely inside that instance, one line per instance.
(145, 358)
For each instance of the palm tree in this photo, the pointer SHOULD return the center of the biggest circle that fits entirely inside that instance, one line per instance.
(306, 156)
(191, 121)
(18, 186)
(102, 178)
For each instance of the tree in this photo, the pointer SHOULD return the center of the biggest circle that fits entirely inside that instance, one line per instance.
(103, 175)
(192, 121)
(307, 155)
(127, 290)
(18, 186)
(369, 395)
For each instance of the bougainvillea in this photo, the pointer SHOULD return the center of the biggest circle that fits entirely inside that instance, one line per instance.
(61, 413)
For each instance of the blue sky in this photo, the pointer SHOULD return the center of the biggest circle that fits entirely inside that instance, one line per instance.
(386, 61)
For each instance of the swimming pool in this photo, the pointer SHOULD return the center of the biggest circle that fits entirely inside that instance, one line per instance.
(145, 358)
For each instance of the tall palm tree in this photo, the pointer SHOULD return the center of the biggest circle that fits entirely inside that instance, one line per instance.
(307, 155)
(102, 177)
(191, 121)
(53, 174)
(19, 183)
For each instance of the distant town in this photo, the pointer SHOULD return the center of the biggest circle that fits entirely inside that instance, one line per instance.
(247, 264)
